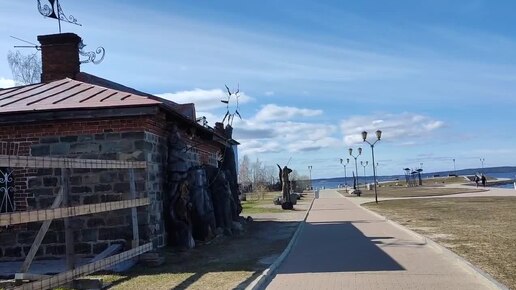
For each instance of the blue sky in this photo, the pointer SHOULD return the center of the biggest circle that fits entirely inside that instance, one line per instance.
(438, 77)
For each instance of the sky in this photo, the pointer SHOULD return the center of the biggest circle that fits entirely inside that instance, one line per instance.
(437, 77)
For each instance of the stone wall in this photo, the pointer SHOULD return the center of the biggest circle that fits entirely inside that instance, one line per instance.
(133, 139)
(141, 138)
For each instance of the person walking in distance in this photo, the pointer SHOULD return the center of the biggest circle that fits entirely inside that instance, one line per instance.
(477, 179)
(483, 178)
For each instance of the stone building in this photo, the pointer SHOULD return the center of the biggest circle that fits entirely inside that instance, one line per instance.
(75, 114)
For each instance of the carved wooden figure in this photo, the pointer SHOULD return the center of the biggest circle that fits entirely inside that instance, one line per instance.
(285, 187)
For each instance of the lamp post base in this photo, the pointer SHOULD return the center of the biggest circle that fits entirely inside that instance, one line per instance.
(358, 192)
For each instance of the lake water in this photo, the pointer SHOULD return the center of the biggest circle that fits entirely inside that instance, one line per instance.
(336, 182)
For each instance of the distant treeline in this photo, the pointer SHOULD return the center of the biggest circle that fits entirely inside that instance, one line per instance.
(472, 171)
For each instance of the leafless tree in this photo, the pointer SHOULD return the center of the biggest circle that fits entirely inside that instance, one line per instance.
(26, 69)
(244, 172)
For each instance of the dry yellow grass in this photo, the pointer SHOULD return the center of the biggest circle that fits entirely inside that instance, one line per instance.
(481, 229)
(401, 191)
(225, 263)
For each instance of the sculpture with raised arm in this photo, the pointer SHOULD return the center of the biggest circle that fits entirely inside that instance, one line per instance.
(285, 187)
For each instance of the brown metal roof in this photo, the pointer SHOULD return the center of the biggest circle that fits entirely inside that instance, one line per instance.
(69, 94)
(87, 92)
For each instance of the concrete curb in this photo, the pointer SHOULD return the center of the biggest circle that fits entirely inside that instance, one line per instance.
(477, 272)
(261, 281)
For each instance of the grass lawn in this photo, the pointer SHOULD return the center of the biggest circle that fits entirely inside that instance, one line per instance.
(252, 207)
(260, 203)
(401, 191)
(480, 229)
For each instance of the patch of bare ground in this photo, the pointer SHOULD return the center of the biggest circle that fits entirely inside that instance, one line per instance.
(480, 229)
(224, 263)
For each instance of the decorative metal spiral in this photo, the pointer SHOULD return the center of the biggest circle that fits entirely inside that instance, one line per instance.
(62, 16)
(46, 11)
(91, 56)
(55, 11)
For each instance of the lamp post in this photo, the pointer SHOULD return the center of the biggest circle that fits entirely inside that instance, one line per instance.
(364, 165)
(310, 170)
(378, 136)
(345, 172)
(356, 166)
(419, 176)
(377, 165)
(482, 160)
(407, 176)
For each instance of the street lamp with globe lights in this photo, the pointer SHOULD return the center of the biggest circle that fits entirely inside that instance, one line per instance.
(345, 172)
(378, 136)
(356, 165)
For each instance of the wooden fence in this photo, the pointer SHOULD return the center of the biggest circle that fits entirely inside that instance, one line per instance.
(60, 209)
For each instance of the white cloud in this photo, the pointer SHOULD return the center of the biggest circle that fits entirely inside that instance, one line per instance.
(204, 100)
(313, 145)
(404, 128)
(271, 112)
(272, 129)
(433, 125)
(267, 137)
(269, 93)
(6, 83)
(257, 146)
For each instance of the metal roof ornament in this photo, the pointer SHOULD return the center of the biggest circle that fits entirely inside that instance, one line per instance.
(229, 116)
(55, 11)
(91, 56)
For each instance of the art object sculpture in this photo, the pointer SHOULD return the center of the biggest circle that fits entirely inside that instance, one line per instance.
(285, 187)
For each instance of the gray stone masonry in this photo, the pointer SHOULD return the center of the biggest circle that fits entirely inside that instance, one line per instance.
(93, 233)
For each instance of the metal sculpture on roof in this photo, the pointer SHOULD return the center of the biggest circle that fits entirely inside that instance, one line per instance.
(55, 11)
(231, 115)
(92, 55)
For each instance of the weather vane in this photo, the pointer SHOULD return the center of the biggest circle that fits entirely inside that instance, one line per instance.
(231, 115)
(55, 11)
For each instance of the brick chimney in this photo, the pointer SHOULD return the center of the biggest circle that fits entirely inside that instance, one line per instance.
(59, 56)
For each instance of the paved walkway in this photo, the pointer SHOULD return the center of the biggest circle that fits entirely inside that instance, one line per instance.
(343, 246)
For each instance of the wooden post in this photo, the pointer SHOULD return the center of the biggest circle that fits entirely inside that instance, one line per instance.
(41, 234)
(134, 212)
(68, 276)
(70, 256)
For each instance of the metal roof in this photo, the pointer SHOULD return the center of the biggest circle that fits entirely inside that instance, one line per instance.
(88, 92)
(67, 94)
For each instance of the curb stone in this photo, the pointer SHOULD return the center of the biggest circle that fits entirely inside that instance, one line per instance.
(261, 281)
(477, 272)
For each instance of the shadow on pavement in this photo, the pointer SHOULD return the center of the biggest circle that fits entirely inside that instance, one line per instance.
(337, 247)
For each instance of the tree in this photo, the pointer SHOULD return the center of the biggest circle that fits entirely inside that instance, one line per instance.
(244, 171)
(26, 69)
(299, 182)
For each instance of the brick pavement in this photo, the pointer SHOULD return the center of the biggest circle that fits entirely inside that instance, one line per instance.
(343, 246)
